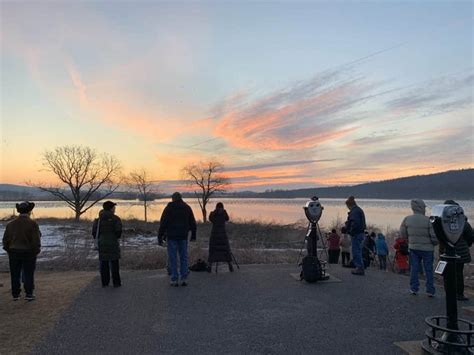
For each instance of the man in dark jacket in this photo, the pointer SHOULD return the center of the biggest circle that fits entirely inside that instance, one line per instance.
(176, 222)
(462, 250)
(22, 242)
(355, 227)
(107, 229)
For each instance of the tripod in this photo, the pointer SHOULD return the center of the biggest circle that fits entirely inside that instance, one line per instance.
(233, 260)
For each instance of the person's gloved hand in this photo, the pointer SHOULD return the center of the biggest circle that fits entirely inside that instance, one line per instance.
(160, 241)
(193, 238)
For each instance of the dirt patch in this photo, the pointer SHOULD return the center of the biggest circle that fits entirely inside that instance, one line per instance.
(26, 323)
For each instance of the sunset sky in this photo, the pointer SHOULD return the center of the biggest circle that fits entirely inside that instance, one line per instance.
(285, 94)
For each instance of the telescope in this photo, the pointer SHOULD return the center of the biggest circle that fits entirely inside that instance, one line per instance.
(313, 210)
(445, 336)
(448, 223)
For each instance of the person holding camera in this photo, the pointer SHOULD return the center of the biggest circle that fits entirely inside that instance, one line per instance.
(333, 248)
(22, 242)
(176, 221)
(355, 227)
(219, 247)
(107, 230)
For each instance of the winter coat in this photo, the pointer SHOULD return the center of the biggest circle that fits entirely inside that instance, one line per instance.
(110, 230)
(345, 243)
(381, 246)
(417, 228)
(22, 235)
(463, 244)
(400, 259)
(368, 246)
(355, 223)
(219, 248)
(334, 240)
(176, 222)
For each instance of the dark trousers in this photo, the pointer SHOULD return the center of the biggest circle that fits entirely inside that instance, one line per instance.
(383, 262)
(333, 256)
(22, 263)
(346, 257)
(105, 267)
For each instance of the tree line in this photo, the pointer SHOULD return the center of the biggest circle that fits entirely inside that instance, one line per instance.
(85, 177)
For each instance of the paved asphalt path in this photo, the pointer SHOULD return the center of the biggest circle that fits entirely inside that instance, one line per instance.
(259, 309)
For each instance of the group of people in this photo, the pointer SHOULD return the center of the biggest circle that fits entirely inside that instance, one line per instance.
(414, 247)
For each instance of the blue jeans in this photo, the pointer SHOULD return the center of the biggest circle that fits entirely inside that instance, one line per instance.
(417, 256)
(357, 241)
(176, 247)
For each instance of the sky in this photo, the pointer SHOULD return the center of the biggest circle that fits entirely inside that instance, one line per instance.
(284, 94)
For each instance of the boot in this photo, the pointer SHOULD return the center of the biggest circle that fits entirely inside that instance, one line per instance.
(358, 272)
(231, 268)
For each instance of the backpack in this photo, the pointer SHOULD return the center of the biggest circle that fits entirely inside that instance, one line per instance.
(199, 265)
(403, 248)
(311, 269)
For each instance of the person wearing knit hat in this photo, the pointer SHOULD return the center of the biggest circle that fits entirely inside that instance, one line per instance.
(355, 227)
(22, 242)
(462, 250)
(416, 228)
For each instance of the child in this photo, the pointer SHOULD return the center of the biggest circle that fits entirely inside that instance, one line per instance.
(382, 250)
(345, 244)
(401, 255)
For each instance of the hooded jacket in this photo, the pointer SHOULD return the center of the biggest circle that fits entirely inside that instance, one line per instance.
(381, 245)
(417, 228)
(22, 235)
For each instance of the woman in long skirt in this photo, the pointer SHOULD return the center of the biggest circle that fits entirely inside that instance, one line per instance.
(219, 248)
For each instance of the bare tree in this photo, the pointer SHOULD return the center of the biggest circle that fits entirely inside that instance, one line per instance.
(208, 178)
(141, 181)
(84, 172)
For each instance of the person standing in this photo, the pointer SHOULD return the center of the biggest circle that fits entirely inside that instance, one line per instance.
(107, 230)
(382, 251)
(463, 251)
(355, 226)
(22, 242)
(421, 241)
(345, 244)
(368, 248)
(176, 221)
(334, 249)
(401, 255)
(219, 247)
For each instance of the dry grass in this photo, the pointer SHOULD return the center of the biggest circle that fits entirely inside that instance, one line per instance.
(25, 323)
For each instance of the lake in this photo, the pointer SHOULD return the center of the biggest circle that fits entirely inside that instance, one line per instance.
(382, 213)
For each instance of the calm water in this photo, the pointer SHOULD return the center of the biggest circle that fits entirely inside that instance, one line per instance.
(383, 213)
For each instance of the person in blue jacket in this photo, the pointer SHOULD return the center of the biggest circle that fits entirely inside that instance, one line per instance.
(355, 227)
(381, 249)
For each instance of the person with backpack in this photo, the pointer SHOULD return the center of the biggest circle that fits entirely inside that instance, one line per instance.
(219, 247)
(22, 242)
(462, 250)
(421, 241)
(381, 249)
(334, 249)
(355, 227)
(176, 221)
(401, 255)
(107, 230)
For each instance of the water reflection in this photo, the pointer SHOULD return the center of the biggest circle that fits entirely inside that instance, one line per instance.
(382, 213)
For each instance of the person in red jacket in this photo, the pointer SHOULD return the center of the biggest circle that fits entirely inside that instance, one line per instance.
(401, 255)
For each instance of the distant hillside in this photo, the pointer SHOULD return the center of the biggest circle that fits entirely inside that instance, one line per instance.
(455, 184)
